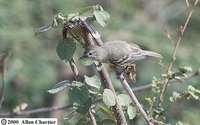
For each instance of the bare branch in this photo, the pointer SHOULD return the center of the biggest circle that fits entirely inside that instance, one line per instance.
(91, 117)
(135, 100)
(35, 111)
(182, 31)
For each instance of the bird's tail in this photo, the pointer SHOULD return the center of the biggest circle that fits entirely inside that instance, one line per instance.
(150, 53)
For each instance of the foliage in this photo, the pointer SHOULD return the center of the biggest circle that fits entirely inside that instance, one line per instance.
(33, 60)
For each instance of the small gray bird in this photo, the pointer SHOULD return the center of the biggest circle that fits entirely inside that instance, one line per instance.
(117, 53)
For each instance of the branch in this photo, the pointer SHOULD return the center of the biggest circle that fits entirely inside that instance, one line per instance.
(74, 68)
(135, 100)
(182, 31)
(55, 108)
(35, 111)
(117, 109)
(3, 59)
(91, 117)
(124, 82)
(97, 39)
(149, 85)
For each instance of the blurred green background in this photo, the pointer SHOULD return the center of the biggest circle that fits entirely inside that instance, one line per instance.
(34, 67)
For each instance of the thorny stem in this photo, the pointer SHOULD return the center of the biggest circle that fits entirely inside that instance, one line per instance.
(74, 68)
(182, 31)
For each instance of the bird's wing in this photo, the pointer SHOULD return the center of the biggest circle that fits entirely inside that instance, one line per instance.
(123, 52)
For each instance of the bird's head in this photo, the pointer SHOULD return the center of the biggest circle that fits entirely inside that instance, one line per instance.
(93, 52)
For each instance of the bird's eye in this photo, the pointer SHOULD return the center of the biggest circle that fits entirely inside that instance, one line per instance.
(90, 53)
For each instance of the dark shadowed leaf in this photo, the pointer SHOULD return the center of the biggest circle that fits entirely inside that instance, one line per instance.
(42, 29)
(185, 69)
(124, 100)
(70, 115)
(132, 112)
(78, 92)
(66, 48)
(108, 97)
(82, 121)
(108, 122)
(59, 87)
(84, 108)
(93, 81)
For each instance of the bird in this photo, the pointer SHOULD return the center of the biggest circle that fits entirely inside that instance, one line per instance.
(117, 53)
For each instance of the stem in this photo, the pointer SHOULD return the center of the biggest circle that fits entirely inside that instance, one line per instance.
(55, 108)
(117, 109)
(91, 117)
(182, 31)
(99, 42)
(3, 58)
(135, 100)
(74, 68)
(35, 111)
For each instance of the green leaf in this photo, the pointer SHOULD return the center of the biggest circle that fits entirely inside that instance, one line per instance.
(84, 10)
(124, 100)
(108, 122)
(98, 65)
(191, 88)
(82, 121)
(85, 61)
(58, 20)
(175, 96)
(93, 81)
(105, 111)
(84, 108)
(193, 94)
(59, 87)
(78, 92)
(185, 69)
(66, 49)
(101, 16)
(108, 97)
(42, 29)
(132, 112)
(70, 115)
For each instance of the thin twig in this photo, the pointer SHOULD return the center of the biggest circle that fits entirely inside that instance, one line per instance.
(91, 117)
(182, 31)
(3, 58)
(135, 100)
(35, 111)
(159, 122)
(55, 108)
(149, 85)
